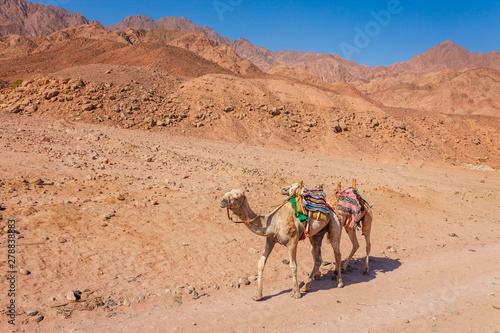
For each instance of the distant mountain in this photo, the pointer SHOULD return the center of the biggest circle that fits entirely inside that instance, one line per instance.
(30, 19)
(329, 67)
(19, 17)
(446, 55)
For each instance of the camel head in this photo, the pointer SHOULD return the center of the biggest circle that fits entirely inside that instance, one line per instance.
(232, 199)
(291, 189)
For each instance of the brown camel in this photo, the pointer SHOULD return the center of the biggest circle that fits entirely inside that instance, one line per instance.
(365, 223)
(282, 226)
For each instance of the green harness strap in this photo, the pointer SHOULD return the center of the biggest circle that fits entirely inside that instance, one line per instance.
(302, 217)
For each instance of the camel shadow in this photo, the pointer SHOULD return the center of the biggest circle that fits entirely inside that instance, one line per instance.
(352, 275)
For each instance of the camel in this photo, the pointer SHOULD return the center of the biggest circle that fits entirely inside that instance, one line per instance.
(365, 222)
(282, 226)
(366, 227)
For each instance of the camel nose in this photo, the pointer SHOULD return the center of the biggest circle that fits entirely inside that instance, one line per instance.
(224, 203)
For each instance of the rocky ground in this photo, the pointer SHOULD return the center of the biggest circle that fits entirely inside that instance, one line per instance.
(129, 221)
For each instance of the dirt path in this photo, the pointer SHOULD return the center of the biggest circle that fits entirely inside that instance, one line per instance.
(440, 293)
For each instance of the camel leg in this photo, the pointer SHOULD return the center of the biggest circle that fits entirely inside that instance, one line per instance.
(334, 235)
(292, 250)
(355, 245)
(366, 233)
(316, 241)
(262, 262)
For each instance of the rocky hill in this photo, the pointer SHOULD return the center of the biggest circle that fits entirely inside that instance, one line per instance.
(19, 17)
(329, 67)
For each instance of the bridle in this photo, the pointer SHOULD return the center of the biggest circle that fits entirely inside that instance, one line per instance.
(230, 216)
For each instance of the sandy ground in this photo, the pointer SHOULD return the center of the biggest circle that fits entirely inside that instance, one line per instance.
(132, 218)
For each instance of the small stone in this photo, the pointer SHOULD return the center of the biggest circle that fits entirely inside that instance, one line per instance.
(243, 281)
(126, 302)
(15, 109)
(120, 197)
(142, 298)
(48, 94)
(70, 296)
(88, 107)
(37, 319)
(67, 202)
(336, 127)
(252, 278)
(23, 271)
(61, 240)
(31, 312)
(190, 289)
(343, 125)
(36, 181)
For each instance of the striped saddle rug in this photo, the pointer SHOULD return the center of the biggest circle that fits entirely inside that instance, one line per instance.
(349, 205)
(315, 200)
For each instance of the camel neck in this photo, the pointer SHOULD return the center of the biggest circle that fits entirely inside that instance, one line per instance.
(256, 223)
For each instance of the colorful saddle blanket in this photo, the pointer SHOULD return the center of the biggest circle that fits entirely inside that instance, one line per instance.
(315, 200)
(349, 205)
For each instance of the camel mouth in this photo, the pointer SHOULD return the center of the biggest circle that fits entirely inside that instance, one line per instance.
(285, 190)
(225, 201)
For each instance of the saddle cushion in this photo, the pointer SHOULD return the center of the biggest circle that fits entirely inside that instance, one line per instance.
(315, 200)
(349, 205)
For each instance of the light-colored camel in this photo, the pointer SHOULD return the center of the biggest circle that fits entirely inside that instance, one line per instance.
(366, 227)
(282, 226)
(365, 223)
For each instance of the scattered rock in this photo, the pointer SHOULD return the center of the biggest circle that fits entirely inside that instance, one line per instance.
(229, 108)
(70, 296)
(126, 302)
(37, 319)
(336, 127)
(343, 125)
(87, 107)
(243, 281)
(48, 94)
(24, 271)
(31, 312)
(15, 109)
(36, 181)
(120, 197)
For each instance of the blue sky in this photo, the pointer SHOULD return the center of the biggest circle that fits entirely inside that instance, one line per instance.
(368, 32)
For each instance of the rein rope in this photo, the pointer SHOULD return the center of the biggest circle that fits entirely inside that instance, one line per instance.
(230, 216)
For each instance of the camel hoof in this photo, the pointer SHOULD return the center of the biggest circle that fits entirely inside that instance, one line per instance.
(296, 294)
(257, 297)
(340, 285)
(304, 290)
(366, 272)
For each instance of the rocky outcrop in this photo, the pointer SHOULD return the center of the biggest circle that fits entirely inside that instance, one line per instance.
(19, 17)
